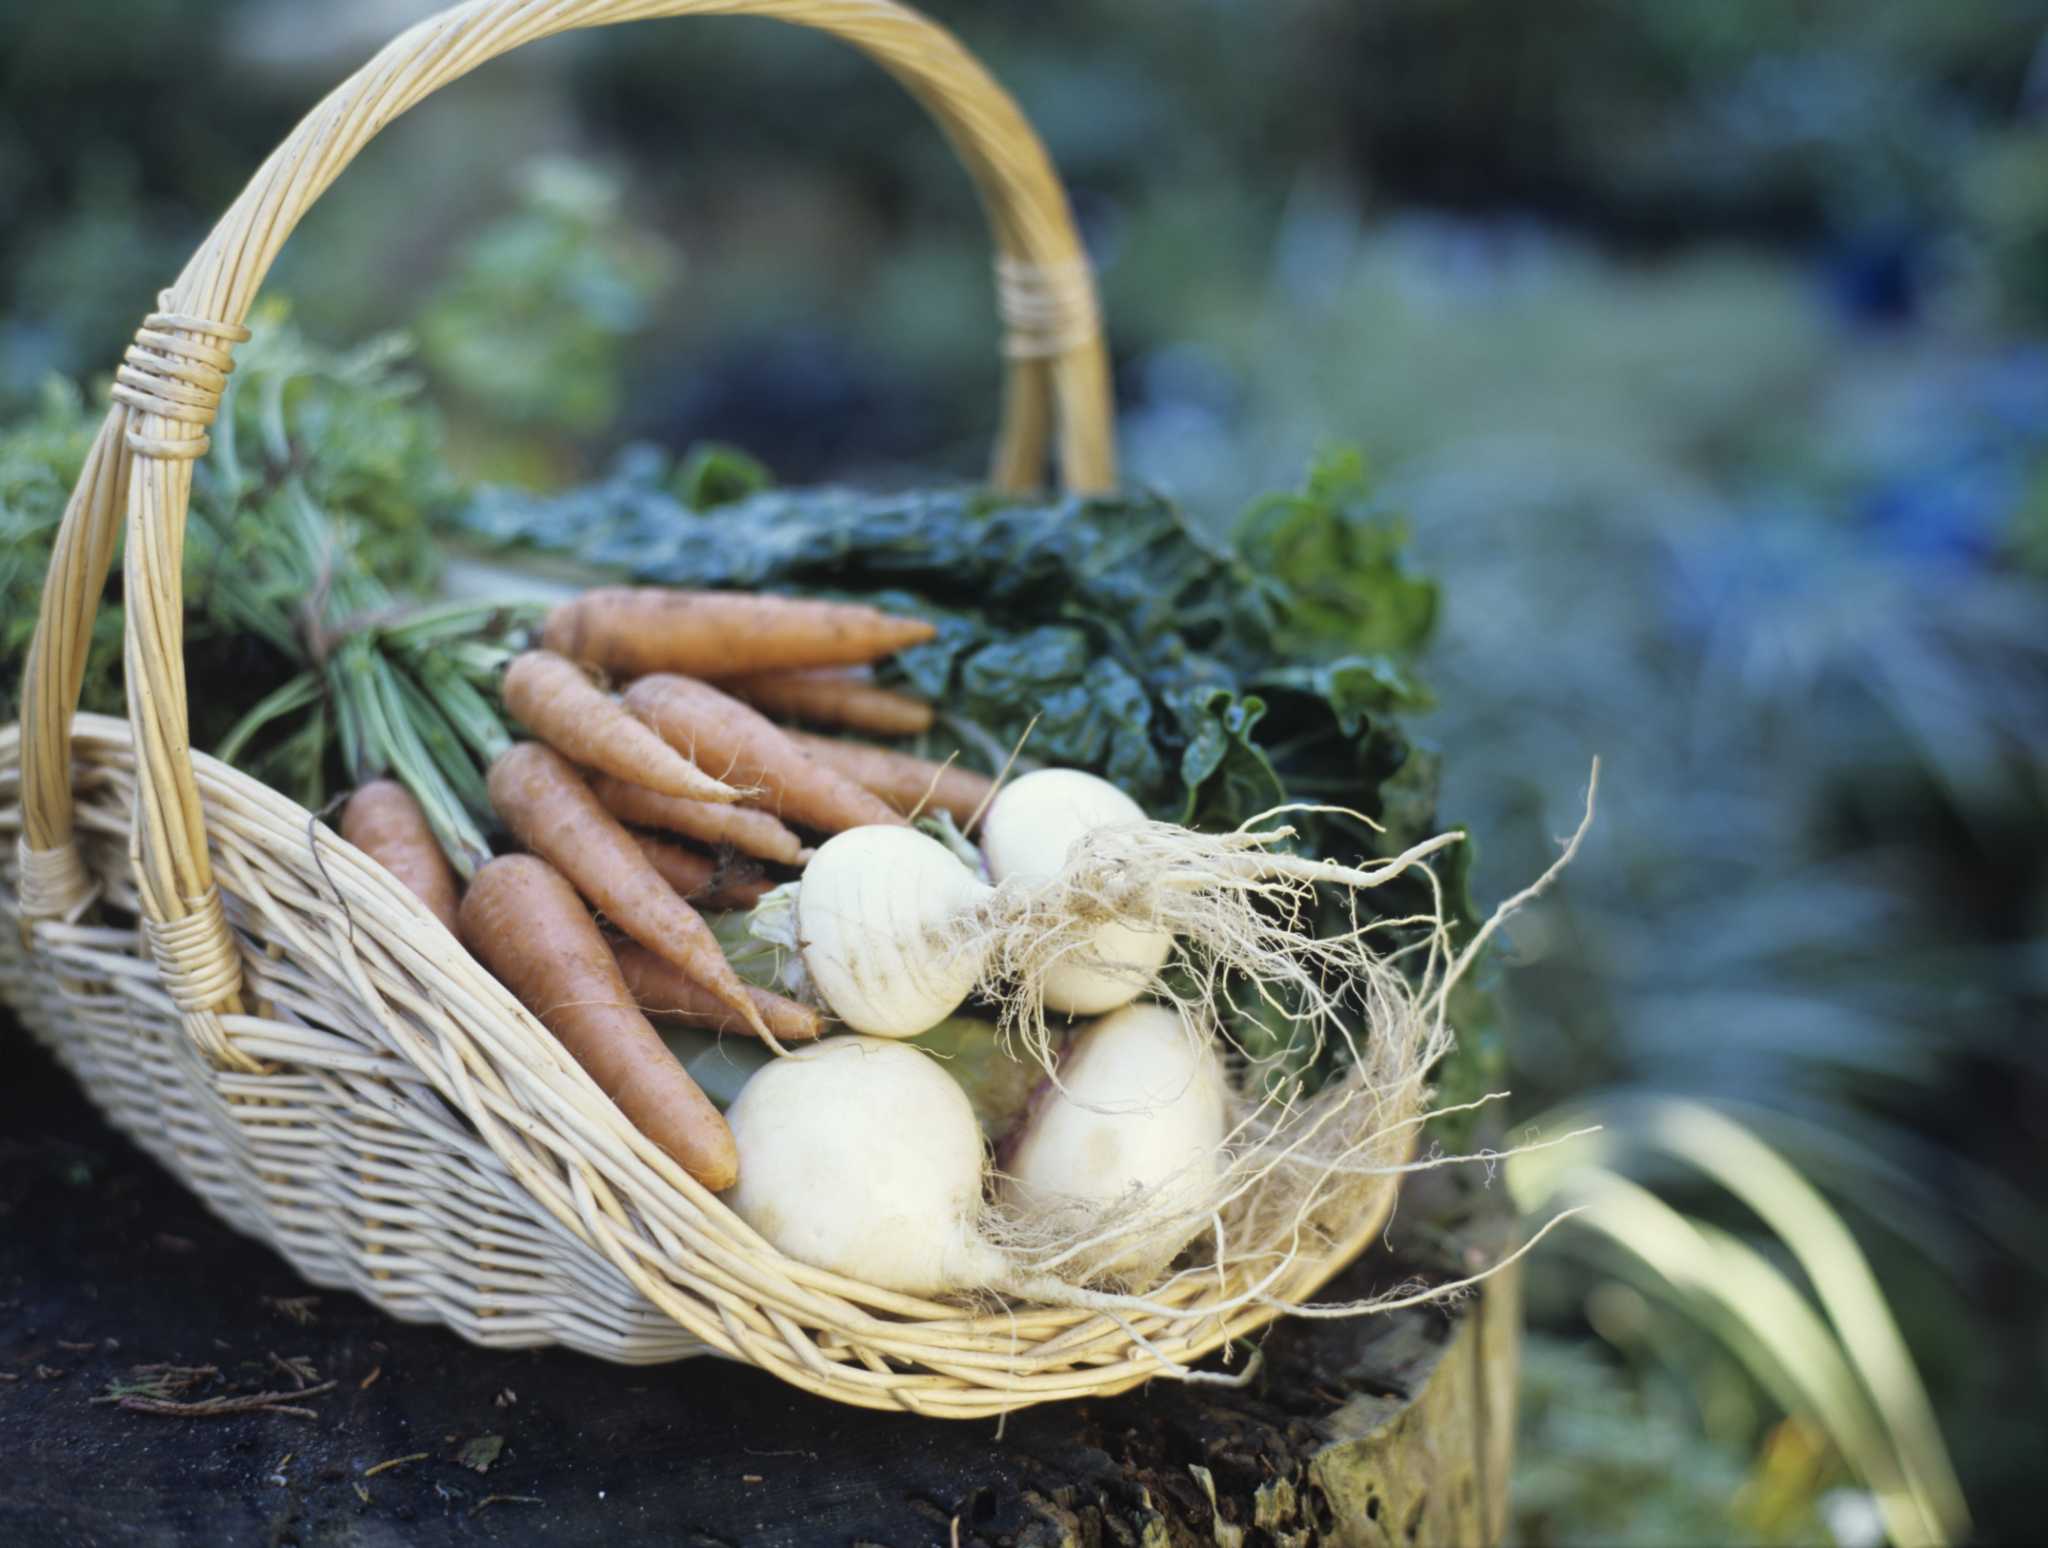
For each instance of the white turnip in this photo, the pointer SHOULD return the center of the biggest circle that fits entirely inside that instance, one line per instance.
(1030, 828)
(859, 1155)
(1129, 1135)
(876, 916)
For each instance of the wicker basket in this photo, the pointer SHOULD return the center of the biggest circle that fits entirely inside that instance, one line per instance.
(273, 1017)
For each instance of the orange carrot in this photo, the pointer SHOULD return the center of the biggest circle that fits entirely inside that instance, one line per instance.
(526, 924)
(630, 631)
(551, 697)
(384, 821)
(662, 990)
(746, 747)
(742, 828)
(553, 813)
(906, 783)
(833, 699)
(702, 880)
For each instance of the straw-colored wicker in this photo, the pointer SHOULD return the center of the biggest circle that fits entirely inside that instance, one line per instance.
(271, 1015)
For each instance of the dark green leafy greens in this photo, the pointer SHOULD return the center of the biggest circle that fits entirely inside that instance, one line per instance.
(1206, 684)
(1213, 680)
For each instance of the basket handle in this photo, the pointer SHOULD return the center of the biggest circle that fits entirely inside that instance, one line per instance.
(168, 390)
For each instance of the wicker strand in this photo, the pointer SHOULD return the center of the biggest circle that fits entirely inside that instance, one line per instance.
(196, 955)
(1048, 310)
(172, 372)
(54, 882)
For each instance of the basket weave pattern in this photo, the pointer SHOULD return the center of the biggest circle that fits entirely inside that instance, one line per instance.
(272, 1016)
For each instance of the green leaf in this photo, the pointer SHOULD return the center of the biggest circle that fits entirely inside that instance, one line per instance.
(714, 474)
(1330, 566)
(1226, 773)
(480, 1454)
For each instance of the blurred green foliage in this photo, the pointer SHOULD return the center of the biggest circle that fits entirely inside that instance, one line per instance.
(1608, 1458)
(533, 322)
(41, 455)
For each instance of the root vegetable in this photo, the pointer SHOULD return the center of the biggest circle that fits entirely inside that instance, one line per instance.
(551, 697)
(872, 917)
(861, 1156)
(718, 732)
(524, 922)
(702, 881)
(384, 821)
(660, 988)
(553, 813)
(632, 631)
(1125, 1140)
(905, 782)
(743, 828)
(833, 699)
(1030, 827)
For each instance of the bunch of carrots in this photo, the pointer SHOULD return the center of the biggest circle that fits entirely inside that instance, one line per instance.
(656, 784)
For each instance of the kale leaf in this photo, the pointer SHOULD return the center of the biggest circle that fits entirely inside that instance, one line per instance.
(1210, 679)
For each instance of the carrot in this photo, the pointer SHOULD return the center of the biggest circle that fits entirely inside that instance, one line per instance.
(833, 699)
(745, 746)
(551, 697)
(524, 922)
(553, 813)
(384, 821)
(742, 828)
(901, 780)
(630, 631)
(661, 990)
(702, 880)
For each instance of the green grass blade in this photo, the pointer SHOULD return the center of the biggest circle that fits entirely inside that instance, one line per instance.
(1762, 1319)
(1841, 1276)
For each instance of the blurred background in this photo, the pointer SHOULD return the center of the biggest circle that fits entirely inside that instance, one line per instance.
(1704, 345)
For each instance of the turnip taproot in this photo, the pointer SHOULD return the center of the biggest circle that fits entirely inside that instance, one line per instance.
(862, 1156)
(873, 913)
(1130, 1134)
(859, 1155)
(1031, 826)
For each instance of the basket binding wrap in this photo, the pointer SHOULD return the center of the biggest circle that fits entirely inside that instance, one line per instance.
(275, 1018)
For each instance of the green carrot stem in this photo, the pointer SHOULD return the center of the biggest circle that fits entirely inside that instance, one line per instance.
(348, 724)
(475, 719)
(295, 695)
(431, 726)
(396, 734)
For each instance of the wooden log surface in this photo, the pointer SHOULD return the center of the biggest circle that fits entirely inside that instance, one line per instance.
(1393, 1429)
